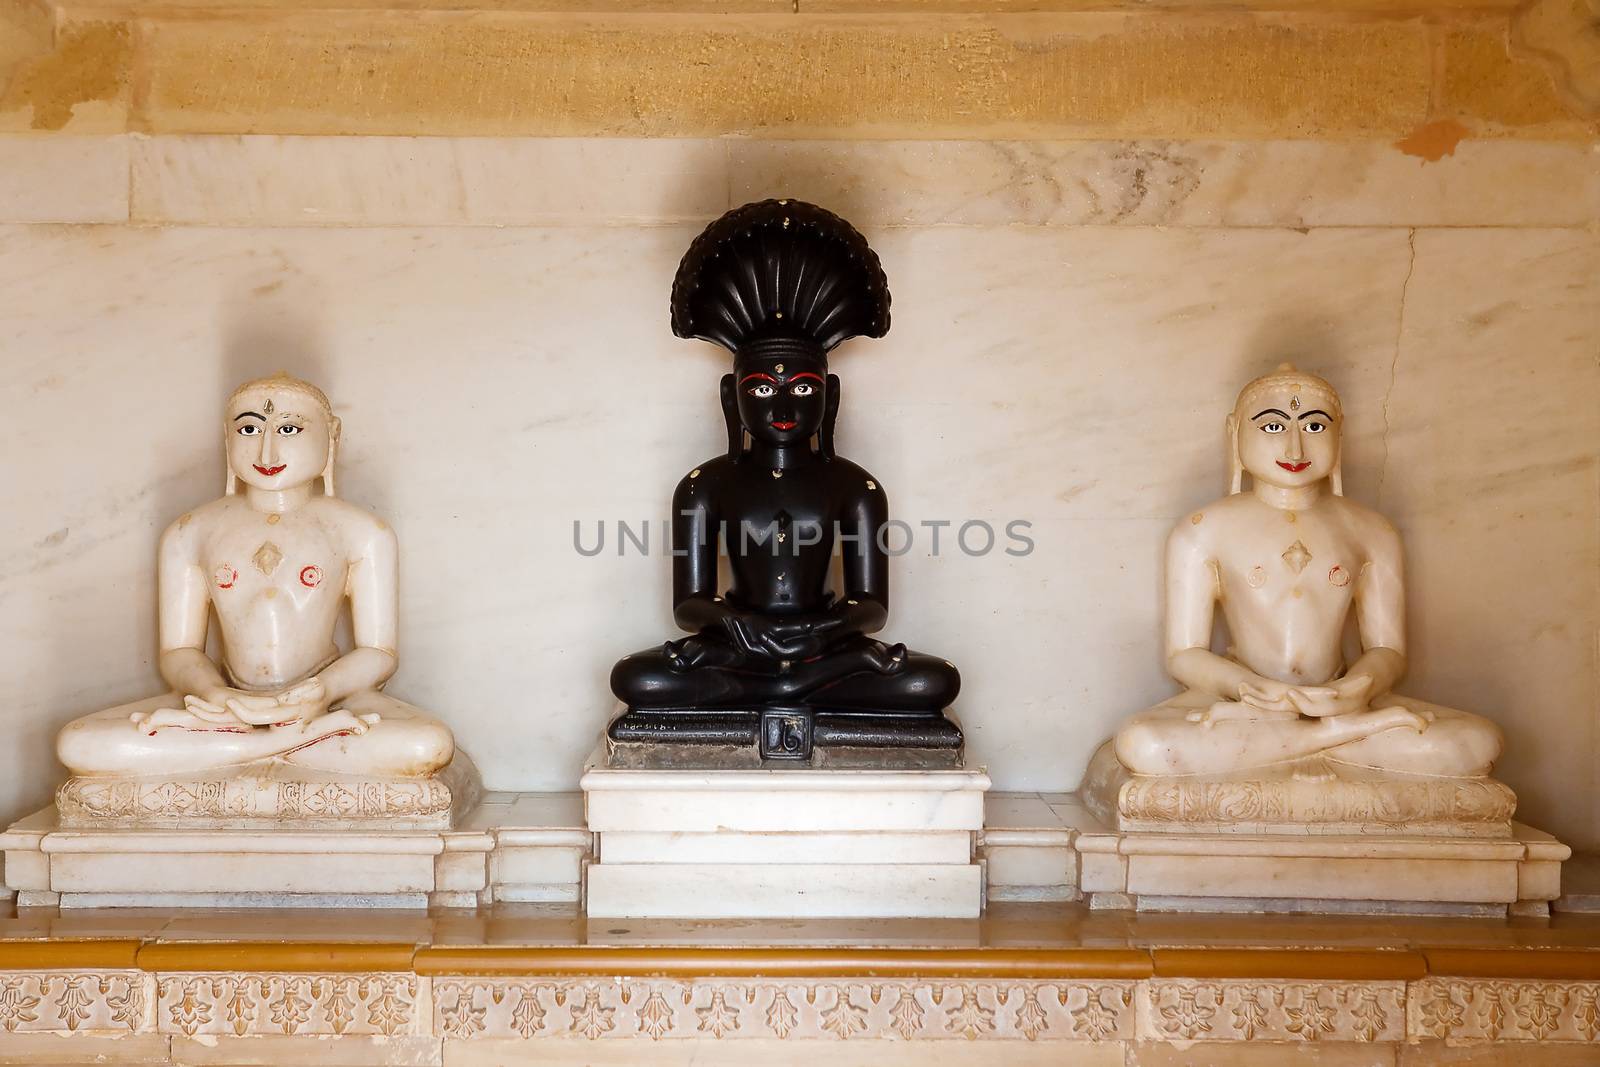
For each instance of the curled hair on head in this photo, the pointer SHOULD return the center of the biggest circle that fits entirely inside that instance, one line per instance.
(1287, 374)
(284, 381)
(780, 271)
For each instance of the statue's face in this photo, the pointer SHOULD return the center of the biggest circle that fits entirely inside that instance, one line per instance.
(1288, 437)
(782, 403)
(277, 438)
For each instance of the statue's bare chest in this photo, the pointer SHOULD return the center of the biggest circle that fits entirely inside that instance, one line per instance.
(296, 559)
(780, 532)
(802, 506)
(1308, 561)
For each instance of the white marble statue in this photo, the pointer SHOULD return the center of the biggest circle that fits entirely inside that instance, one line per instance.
(276, 561)
(1287, 562)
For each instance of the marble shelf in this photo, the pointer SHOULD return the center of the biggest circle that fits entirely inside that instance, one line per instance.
(536, 847)
(1026, 983)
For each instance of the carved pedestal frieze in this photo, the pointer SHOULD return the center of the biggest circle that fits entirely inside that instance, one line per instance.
(76, 1002)
(1475, 1009)
(289, 1004)
(774, 1008)
(390, 1005)
(1182, 1010)
(94, 801)
(1312, 796)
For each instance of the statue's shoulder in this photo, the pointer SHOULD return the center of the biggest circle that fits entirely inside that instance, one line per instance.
(1199, 525)
(197, 521)
(345, 515)
(1371, 526)
(854, 476)
(703, 479)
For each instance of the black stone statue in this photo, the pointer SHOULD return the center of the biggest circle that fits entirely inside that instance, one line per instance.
(779, 661)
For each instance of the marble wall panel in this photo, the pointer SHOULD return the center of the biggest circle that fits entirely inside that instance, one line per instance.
(298, 181)
(1493, 475)
(1177, 183)
(268, 180)
(498, 384)
(63, 179)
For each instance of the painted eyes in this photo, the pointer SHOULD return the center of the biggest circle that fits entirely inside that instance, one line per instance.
(252, 429)
(1314, 426)
(764, 390)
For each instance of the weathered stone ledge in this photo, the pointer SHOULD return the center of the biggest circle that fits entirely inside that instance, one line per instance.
(1373, 71)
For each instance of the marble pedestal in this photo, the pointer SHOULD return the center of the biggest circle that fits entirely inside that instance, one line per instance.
(1311, 836)
(268, 834)
(783, 843)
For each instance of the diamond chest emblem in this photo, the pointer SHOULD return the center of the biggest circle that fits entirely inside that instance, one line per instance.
(267, 558)
(1297, 556)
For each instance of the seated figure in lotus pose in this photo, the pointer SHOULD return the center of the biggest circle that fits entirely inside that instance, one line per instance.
(779, 284)
(1288, 562)
(276, 562)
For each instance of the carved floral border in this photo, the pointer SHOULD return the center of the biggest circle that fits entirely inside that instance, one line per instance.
(1187, 1010)
(241, 1004)
(769, 1008)
(1479, 1009)
(75, 1001)
(238, 1004)
(246, 798)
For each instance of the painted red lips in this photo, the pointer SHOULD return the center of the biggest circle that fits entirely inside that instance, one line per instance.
(269, 471)
(784, 425)
(1295, 468)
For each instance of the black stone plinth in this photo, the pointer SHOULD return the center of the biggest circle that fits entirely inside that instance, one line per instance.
(777, 737)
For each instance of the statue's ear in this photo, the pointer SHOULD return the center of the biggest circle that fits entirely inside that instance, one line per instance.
(1235, 464)
(333, 454)
(830, 413)
(730, 415)
(1336, 476)
(230, 480)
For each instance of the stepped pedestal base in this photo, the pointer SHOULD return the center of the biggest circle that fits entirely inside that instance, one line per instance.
(1313, 836)
(264, 835)
(781, 843)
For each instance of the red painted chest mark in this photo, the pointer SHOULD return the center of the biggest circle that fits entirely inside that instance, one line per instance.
(226, 576)
(311, 576)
